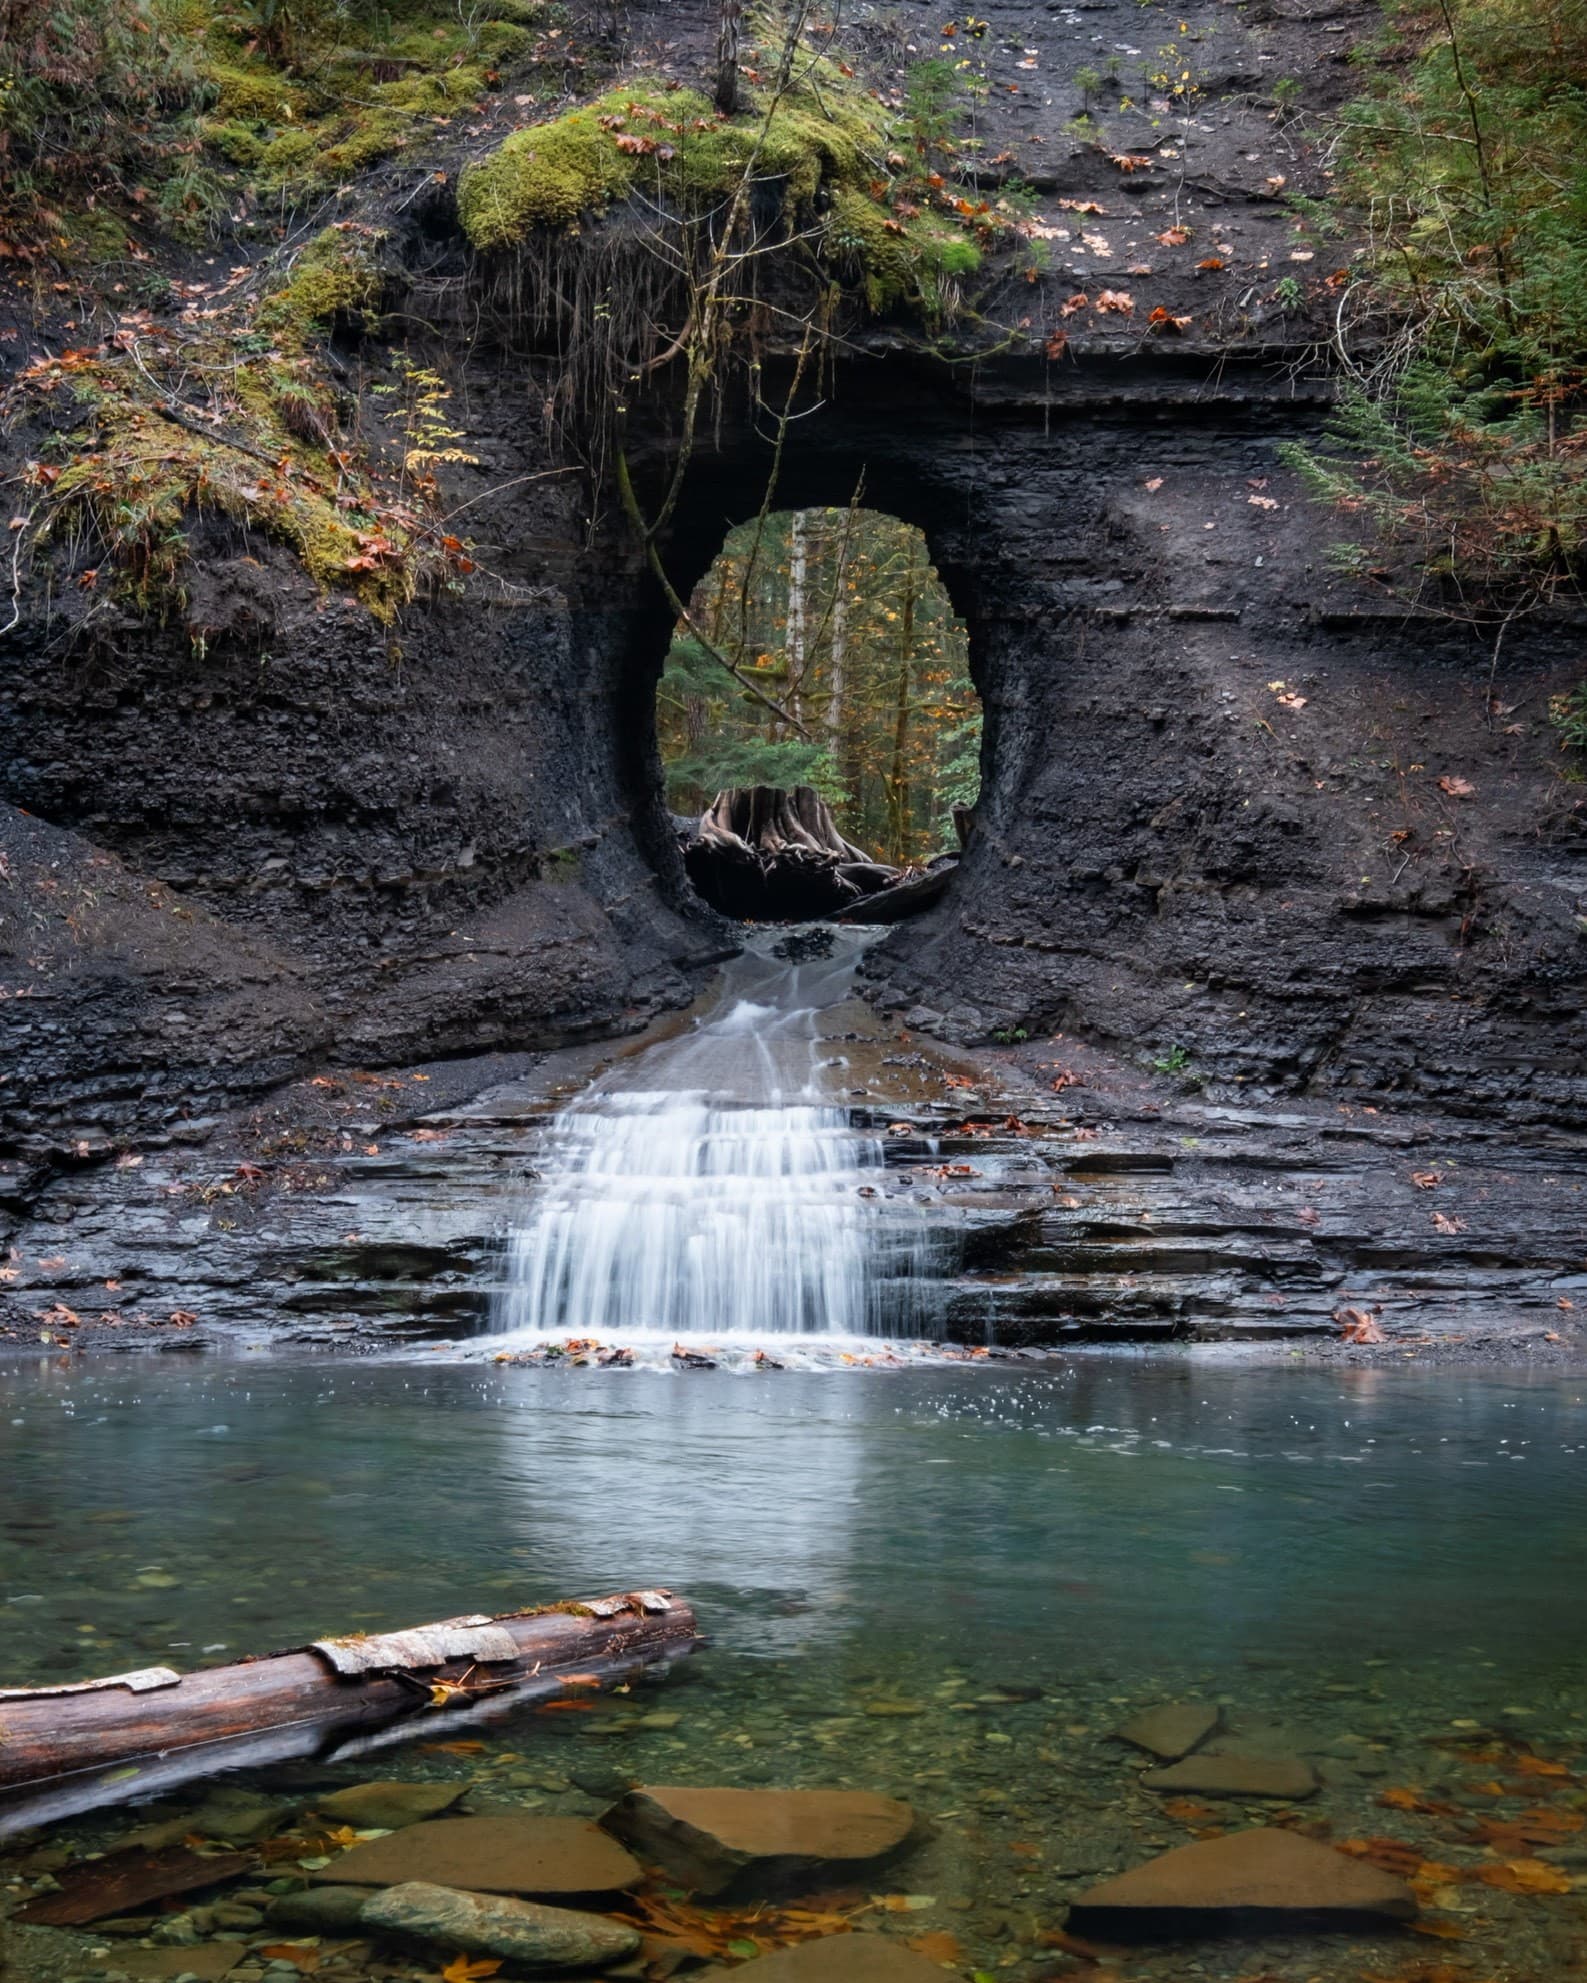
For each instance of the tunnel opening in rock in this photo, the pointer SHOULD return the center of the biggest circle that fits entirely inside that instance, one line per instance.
(819, 730)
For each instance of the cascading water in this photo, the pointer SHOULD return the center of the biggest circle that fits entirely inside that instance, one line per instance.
(713, 1187)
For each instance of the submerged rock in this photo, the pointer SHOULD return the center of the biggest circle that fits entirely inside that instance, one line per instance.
(518, 1931)
(855, 1958)
(388, 1807)
(711, 1839)
(321, 1910)
(506, 1853)
(1172, 1731)
(239, 1817)
(1286, 1777)
(208, 1963)
(1241, 1882)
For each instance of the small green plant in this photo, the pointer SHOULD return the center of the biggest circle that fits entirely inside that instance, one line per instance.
(427, 432)
(1010, 1036)
(1568, 714)
(933, 93)
(1286, 92)
(1288, 294)
(1174, 1061)
(1088, 82)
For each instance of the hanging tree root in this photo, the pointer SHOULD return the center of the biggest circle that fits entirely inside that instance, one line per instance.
(769, 855)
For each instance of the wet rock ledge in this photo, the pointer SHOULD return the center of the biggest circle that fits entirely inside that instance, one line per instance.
(1087, 1201)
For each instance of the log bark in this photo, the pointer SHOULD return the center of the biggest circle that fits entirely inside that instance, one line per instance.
(907, 894)
(71, 1748)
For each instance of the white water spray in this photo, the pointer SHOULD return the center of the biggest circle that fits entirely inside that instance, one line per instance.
(728, 1196)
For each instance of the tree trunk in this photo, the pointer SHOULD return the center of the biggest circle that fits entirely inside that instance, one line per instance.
(837, 682)
(157, 1728)
(729, 37)
(798, 632)
(898, 774)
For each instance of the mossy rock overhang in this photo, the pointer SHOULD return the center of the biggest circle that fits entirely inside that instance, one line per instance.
(825, 160)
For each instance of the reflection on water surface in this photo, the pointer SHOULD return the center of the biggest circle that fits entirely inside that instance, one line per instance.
(1363, 1567)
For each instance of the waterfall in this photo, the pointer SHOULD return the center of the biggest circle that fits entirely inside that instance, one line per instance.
(714, 1186)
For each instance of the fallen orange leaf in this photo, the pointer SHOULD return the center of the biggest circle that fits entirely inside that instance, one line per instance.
(1525, 1876)
(462, 1970)
(938, 1946)
(1539, 1766)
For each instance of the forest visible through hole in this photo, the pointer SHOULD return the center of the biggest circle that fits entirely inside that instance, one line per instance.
(840, 618)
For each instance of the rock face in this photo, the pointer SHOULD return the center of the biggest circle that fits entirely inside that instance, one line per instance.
(1286, 1777)
(1244, 1881)
(857, 1958)
(518, 1931)
(507, 1855)
(715, 1839)
(1198, 742)
(387, 1807)
(1171, 1732)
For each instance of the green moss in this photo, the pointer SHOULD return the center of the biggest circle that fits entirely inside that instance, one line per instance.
(140, 479)
(335, 276)
(256, 94)
(502, 41)
(237, 142)
(431, 96)
(375, 137)
(550, 175)
(284, 158)
(825, 148)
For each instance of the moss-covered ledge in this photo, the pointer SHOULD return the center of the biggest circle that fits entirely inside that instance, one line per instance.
(824, 157)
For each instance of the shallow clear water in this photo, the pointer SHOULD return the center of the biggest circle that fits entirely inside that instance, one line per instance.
(1121, 1508)
(1375, 1569)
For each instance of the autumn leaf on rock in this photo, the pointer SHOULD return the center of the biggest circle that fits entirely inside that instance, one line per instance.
(1426, 1180)
(1165, 320)
(1444, 1223)
(1073, 304)
(1358, 1325)
(1118, 302)
(1457, 788)
(1174, 237)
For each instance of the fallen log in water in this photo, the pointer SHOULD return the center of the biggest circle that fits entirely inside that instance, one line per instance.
(70, 1748)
